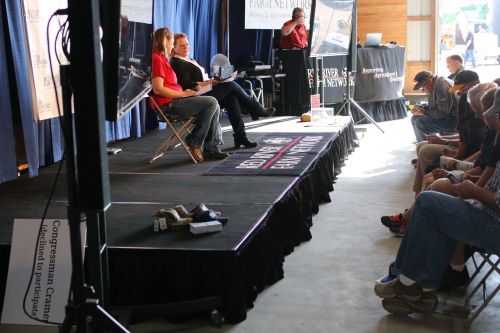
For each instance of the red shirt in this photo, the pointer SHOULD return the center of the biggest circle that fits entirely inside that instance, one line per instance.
(297, 38)
(161, 68)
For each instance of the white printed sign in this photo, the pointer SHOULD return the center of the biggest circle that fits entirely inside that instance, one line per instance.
(138, 10)
(37, 16)
(39, 276)
(271, 14)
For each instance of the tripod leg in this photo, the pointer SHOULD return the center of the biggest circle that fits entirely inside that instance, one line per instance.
(91, 317)
(360, 109)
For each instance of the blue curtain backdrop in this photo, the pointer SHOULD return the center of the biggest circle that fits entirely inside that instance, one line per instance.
(244, 43)
(43, 141)
(7, 141)
(199, 19)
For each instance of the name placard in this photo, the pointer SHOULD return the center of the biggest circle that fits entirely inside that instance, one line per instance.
(39, 275)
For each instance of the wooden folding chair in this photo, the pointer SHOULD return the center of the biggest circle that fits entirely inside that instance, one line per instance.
(491, 263)
(179, 132)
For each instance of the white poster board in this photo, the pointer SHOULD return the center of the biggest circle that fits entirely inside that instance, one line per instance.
(39, 274)
(271, 14)
(137, 10)
(37, 14)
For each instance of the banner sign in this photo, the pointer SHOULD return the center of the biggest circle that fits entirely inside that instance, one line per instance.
(37, 14)
(380, 74)
(287, 154)
(271, 14)
(39, 276)
(335, 79)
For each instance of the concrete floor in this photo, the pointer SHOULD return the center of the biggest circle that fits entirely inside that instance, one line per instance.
(328, 284)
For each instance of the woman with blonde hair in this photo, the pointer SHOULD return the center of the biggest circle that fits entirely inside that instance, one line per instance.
(202, 141)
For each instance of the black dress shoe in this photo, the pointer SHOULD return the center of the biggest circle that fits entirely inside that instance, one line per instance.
(243, 141)
(266, 112)
(215, 155)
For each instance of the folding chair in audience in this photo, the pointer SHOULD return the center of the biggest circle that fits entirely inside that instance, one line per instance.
(492, 264)
(185, 124)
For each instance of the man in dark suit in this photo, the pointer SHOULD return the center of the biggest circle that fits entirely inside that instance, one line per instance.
(230, 95)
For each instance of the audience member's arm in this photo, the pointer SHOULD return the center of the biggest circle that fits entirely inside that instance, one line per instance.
(160, 90)
(462, 148)
(473, 157)
(469, 190)
(485, 176)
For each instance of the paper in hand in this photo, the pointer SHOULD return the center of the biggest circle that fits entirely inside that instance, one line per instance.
(203, 90)
(231, 78)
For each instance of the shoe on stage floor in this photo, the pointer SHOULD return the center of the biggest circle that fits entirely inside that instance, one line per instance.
(243, 141)
(266, 112)
(215, 155)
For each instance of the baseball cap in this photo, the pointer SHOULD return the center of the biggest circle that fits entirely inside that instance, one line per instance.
(495, 108)
(462, 78)
(421, 78)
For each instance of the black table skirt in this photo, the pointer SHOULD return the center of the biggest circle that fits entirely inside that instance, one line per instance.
(380, 111)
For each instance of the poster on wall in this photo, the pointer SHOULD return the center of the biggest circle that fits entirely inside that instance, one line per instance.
(271, 14)
(37, 14)
(330, 31)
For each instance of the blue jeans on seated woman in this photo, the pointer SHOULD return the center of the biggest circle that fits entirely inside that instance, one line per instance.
(206, 110)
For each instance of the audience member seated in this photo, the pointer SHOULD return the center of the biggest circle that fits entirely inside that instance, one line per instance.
(294, 33)
(202, 141)
(438, 115)
(437, 224)
(486, 160)
(455, 64)
(456, 275)
(470, 129)
(230, 95)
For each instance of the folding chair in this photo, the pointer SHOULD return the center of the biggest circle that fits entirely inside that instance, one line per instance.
(493, 262)
(179, 133)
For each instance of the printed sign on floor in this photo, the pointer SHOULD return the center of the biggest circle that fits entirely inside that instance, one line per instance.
(39, 274)
(285, 154)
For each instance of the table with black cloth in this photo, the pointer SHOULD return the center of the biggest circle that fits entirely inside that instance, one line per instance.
(379, 83)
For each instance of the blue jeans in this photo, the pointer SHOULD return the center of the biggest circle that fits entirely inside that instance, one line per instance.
(423, 125)
(206, 110)
(470, 54)
(437, 223)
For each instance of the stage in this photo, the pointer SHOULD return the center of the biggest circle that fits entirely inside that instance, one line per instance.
(269, 214)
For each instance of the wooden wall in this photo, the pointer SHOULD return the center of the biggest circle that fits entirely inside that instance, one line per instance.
(385, 16)
(391, 18)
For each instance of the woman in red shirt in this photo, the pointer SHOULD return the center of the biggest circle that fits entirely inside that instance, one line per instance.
(174, 100)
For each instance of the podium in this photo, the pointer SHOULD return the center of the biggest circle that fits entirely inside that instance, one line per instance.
(297, 89)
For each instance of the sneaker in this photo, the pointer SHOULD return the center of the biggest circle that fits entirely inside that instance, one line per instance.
(393, 221)
(395, 288)
(453, 279)
(399, 231)
(393, 273)
(426, 304)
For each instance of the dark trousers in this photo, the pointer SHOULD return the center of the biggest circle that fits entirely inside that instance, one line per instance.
(233, 98)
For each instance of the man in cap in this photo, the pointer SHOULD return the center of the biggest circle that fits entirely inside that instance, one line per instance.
(463, 81)
(439, 115)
